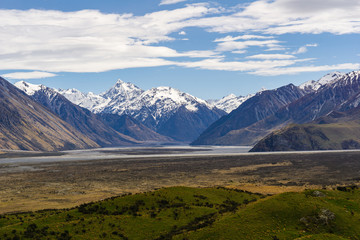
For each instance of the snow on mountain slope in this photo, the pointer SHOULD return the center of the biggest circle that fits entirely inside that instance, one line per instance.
(80, 118)
(348, 79)
(123, 91)
(155, 103)
(166, 110)
(115, 96)
(91, 101)
(127, 98)
(163, 109)
(313, 85)
(28, 88)
(119, 96)
(31, 89)
(231, 102)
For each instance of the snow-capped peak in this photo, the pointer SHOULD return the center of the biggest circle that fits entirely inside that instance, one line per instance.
(72, 94)
(167, 99)
(123, 90)
(29, 88)
(263, 89)
(348, 79)
(230, 96)
(173, 94)
(329, 78)
(354, 74)
(231, 102)
(156, 103)
(91, 101)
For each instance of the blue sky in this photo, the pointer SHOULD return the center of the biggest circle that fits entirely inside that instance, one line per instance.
(206, 48)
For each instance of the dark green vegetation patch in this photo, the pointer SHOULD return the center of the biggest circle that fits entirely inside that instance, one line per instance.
(193, 213)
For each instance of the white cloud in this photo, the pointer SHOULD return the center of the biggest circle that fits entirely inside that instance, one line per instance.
(312, 45)
(271, 56)
(243, 37)
(201, 54)
(266, 67)
(304, 49)
(167, 2)
(88, 40)
(91, 41)
(241, 45)
(243, 66)
(277, 48)
(295, 70)
(28, 75)
(239, 51)
(288, 16)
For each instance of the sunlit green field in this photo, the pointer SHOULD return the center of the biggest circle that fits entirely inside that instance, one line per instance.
(197, 213)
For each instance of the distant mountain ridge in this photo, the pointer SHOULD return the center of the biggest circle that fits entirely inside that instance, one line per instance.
(312, 85)
(255, 109)
(230, 102)
(80, 118)
(90, 101)
(165, 110)
(167, 114)
(87, 122)
(339, 92)
(337, 130)
(27, 125)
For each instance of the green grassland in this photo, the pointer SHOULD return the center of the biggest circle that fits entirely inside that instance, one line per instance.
(197, 213)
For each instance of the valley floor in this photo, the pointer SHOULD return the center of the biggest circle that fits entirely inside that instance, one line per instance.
(44, 180)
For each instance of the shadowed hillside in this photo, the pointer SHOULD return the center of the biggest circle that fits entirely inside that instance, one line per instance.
(338, 130)
(26, 125)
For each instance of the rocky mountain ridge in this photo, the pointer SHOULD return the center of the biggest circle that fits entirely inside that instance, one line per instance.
(165, 110)
(230, 102)
(256, 108)
(27, 125)
(89, 123)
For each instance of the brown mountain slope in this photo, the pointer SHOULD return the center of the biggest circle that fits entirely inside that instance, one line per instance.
(232, 128)
(26, 125)
(338, 130)
(81, 119)
(340, 95)
(131, 127)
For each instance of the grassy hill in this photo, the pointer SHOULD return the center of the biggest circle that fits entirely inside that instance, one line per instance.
(193, 213)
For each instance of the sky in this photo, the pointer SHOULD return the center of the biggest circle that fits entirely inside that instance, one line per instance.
(206, 48)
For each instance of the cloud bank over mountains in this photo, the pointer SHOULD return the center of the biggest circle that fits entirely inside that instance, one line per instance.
(51, 41)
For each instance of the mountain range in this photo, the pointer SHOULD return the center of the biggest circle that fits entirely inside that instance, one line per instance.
(165, 110)
(120, 132)
(55, 119)
(225, 131)
(271, 110)
(331, 112)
